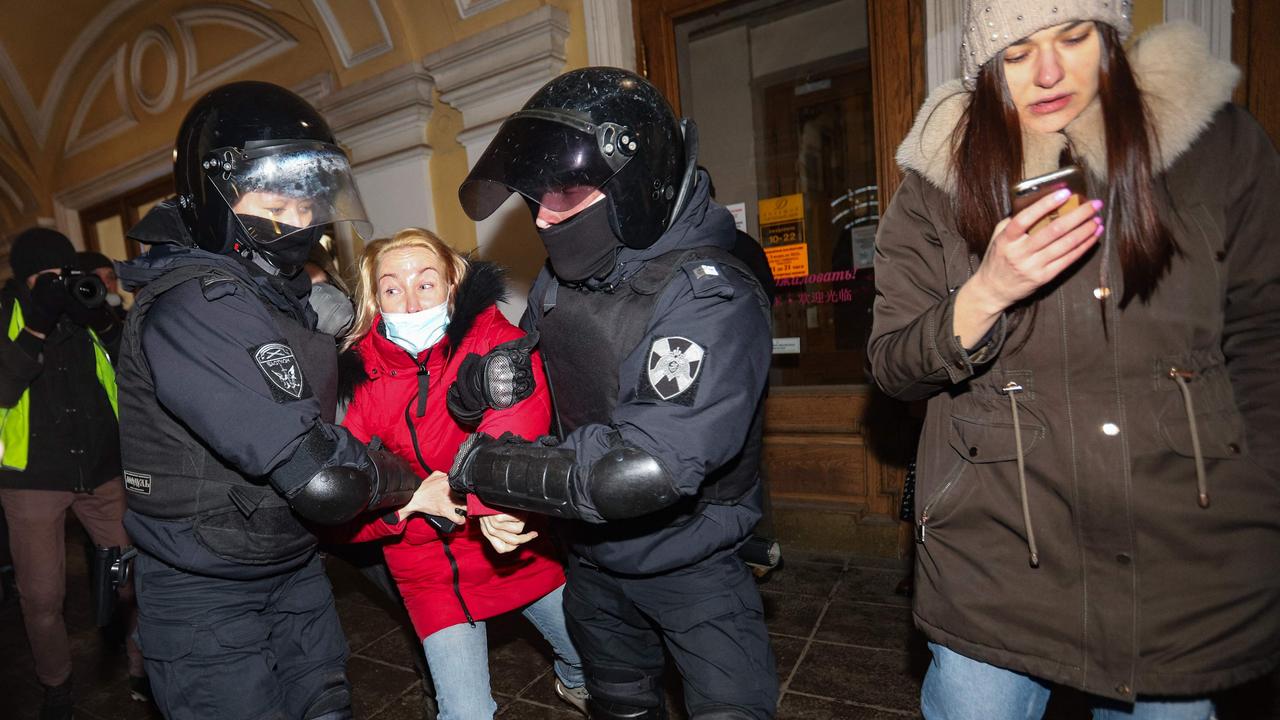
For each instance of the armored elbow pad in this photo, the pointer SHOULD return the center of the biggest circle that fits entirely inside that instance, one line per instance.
(334, 495)
(514, 473)
(394, 481)
(629, 482)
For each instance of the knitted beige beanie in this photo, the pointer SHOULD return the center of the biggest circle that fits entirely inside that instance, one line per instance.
(993, 25)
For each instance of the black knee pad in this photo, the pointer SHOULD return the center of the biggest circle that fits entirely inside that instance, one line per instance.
(624, 693)
(333, 703)
(722, 712)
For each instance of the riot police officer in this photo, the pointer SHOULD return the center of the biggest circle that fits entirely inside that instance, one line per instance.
(657, 344)
(227, 394)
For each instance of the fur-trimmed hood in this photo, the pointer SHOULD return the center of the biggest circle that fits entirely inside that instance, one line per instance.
(1182, 84)
(483, 287)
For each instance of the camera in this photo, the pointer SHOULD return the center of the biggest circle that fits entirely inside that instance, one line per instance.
(84, 287)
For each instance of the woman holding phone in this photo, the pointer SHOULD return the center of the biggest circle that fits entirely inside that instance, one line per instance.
(1098, 479)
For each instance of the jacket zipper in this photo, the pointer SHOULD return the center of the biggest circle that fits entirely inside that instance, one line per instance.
(933, 502)
(424, 383)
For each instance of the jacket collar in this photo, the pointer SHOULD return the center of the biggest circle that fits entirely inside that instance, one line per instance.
(1182, 84)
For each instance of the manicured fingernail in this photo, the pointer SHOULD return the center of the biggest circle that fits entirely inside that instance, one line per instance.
(1098, 232)
(1062, 194)
(1097, 204)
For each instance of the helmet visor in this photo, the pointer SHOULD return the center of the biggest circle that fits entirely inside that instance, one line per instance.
(556, 162)
(292, 186)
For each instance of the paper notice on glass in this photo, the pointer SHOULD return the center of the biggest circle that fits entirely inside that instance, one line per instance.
(739, 213)
(786, 346)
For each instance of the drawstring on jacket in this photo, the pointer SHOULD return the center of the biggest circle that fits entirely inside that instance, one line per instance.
(1202, 482)
(1012, 389)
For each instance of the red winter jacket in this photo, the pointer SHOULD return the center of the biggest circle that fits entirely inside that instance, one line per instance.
(449, 580)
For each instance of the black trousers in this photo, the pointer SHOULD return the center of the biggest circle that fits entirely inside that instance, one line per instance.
(710, 618)
(270, 648)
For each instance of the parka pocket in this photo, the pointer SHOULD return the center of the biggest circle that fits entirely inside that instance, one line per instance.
(1218, 422)
(987, 440)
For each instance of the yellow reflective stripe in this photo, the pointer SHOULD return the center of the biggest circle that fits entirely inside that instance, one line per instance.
(106, 373)
(15, 422)
(15, 432)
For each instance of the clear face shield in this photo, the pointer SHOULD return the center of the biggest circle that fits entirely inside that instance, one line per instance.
(551, 158)
(278, 190)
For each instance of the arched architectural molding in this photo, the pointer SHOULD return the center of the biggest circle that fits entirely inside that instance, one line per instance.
(113, 72)
(156, 36)
(39, 118)
(468, 8)
(350, 56)
(275, 40)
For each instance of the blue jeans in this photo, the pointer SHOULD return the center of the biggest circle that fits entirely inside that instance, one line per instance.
(958, 688)
(459, 659)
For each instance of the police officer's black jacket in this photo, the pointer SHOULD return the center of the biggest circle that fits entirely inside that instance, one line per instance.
(670, 354)
(221, 377)
(73, 438)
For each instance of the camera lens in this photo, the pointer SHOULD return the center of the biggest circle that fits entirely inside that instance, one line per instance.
(88, 290)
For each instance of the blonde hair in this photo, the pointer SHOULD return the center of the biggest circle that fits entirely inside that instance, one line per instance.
(366, 296)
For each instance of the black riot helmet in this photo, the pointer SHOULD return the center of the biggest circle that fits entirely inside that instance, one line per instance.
(258, 173)
(597, 128)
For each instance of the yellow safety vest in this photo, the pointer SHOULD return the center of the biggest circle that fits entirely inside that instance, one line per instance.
(15, 422)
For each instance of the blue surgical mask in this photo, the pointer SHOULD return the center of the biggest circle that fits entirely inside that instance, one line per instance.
(417, 331)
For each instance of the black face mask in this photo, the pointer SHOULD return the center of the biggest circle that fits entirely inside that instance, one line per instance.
(584, 246)
(286, 254)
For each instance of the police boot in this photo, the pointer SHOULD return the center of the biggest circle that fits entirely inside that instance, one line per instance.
(58, 700)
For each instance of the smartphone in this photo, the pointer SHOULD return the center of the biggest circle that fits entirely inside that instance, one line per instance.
(1030, 190)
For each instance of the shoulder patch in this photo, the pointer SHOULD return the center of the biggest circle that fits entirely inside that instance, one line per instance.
(708, 278)
(280, 368)
(217, 286)
(672, 371)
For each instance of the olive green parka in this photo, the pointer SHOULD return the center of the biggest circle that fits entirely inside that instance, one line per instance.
(1139, 589)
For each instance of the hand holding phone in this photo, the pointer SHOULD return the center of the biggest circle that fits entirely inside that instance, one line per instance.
(1027, 192)
(1028, 249)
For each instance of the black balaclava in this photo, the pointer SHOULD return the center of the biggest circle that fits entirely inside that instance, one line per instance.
(585, 246)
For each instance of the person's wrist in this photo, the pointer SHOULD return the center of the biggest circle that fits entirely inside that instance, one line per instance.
(981, 298)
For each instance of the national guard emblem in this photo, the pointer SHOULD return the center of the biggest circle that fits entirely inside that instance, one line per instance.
(673, 367)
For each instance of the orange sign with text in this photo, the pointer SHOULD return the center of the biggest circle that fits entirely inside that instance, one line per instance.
(788, 261)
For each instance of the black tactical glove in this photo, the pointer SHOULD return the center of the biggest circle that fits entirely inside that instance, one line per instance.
(498, 380)
(458, 479)
(48, 301)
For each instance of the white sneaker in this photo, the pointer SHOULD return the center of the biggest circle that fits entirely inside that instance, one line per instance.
(577, 697)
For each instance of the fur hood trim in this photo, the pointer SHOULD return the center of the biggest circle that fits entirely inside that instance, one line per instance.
(1182, 84)
(484, 286)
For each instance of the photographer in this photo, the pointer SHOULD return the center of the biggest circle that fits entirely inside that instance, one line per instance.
(95, 263)
(60, 440)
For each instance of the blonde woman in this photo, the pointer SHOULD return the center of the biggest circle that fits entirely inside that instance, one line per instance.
(422, 309)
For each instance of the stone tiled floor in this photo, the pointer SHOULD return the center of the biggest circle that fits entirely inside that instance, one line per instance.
(843, 641)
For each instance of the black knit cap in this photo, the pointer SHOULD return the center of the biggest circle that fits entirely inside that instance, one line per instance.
(88, 260)
(39, 249)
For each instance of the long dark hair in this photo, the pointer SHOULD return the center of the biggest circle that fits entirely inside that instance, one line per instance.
(987, 144)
